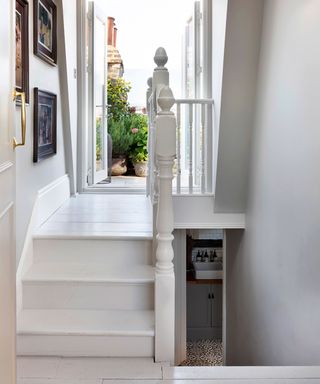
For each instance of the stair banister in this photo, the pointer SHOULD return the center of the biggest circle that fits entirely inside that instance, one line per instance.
(161, 151)
(165, 149)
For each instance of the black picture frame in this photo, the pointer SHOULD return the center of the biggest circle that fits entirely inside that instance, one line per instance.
(45, 30)
(22, 48)
(45, 125)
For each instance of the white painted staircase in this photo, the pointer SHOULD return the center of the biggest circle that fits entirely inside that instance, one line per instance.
(90, 289)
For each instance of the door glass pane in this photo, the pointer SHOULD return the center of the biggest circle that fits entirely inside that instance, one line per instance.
(99, 68)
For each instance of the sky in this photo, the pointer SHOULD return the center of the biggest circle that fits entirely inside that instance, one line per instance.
(143, 26)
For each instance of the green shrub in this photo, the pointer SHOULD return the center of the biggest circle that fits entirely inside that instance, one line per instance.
(118, 105)
(98, 138)
(121, 135)
(128, 130)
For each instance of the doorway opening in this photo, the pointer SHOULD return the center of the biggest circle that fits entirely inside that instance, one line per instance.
(118, 45)
(203, 274)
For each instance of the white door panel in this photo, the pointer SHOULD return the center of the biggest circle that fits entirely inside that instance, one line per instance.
(98, 146)
(7, 193)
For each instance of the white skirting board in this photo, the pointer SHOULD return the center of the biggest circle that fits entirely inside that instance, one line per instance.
(48, 200)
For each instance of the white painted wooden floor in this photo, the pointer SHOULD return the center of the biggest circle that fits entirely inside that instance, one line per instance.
(101, 215)
(44, 370)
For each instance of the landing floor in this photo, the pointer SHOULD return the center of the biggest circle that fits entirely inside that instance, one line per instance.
(45, 370)
(101, 215)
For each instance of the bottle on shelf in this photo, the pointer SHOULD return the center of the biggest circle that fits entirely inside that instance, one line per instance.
(206, 257)
(211, 256)
(214, 255)
(198, 257)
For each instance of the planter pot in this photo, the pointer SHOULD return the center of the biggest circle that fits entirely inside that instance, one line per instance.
(119, 166)
(141, 169)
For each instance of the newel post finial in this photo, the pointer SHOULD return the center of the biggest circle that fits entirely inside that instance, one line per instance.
(166, 101)
(160, 58)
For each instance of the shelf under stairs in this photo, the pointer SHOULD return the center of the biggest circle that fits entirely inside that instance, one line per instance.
(90, 289)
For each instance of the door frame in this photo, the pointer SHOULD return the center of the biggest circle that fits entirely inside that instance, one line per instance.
(82, 117)
(94, 176)
(180, 249)
(8, 206)
(82, 84)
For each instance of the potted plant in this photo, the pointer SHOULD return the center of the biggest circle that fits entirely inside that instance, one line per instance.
(139, 151)
(121, 143)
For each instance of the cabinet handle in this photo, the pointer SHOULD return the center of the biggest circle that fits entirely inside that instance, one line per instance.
(23, 118)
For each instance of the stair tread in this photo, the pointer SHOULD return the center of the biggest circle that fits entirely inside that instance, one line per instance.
(41, 235)
(88, 272)
(95, 230)
(86, 322)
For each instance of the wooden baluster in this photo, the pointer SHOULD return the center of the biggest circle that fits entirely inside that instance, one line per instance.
(178, 148)
(203, 148)
(190, 148)
(164, 274)
(150, 146)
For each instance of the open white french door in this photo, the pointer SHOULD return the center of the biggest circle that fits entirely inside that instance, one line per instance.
(97, 95)
(7, 196)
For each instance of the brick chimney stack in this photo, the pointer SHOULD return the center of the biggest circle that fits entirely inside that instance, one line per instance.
(111, 27)
(115, 64)
(115, 30)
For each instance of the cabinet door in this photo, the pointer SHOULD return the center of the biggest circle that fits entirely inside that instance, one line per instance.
(216, 301)
(198, 306)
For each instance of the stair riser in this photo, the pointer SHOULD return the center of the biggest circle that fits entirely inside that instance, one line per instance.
(88, 296)
(84, 345)
(110, 252)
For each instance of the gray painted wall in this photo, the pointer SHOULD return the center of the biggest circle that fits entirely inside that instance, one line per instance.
(235, 64)
(273, 268)
(30, 176)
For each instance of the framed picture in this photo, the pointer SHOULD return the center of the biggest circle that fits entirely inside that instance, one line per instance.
(45, 30)
(45, 125)
(22, 47)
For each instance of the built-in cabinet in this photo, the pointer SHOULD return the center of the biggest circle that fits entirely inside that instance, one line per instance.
(204, 297)
(204, 311)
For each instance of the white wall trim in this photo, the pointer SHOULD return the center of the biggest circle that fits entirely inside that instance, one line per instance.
(224, 299)
(51, 197)
(197, 211)
(48, 200)
(287, 374)
(179, 246)
(225, 223)
(66, 96)
(5, 166)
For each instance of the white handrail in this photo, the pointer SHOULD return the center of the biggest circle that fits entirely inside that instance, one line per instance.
(194, 101)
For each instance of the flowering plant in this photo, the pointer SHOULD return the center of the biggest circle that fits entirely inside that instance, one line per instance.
(139, 151)
(139, 131)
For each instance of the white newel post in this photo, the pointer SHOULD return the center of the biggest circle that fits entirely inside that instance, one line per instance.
(160, 78)
(165, 149)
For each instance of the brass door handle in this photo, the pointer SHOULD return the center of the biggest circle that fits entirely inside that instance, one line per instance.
(15, 94)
